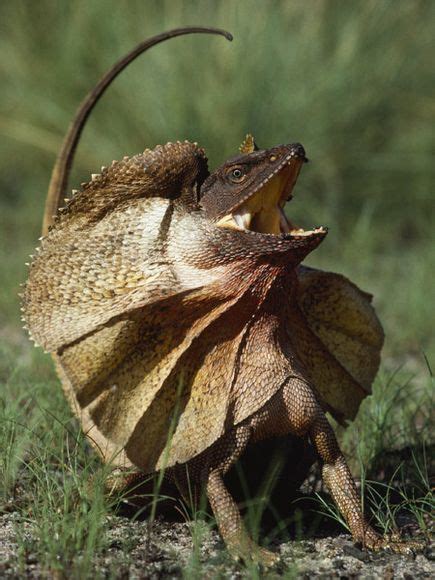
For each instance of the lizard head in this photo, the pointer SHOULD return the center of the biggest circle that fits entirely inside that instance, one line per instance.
(248, 192)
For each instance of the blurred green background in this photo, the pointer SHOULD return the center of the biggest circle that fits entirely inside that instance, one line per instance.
(353, 81)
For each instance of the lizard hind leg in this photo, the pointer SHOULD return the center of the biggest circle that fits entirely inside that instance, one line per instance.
(221, 457)
(305, 415)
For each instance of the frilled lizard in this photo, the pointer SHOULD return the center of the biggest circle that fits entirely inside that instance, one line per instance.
(183, 326)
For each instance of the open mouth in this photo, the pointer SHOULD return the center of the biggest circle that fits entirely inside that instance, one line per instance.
(263, 211)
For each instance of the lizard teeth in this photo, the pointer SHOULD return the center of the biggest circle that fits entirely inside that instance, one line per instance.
(240, 220)
(305, 233)
(243, 219)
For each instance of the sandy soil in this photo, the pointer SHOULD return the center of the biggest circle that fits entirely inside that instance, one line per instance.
(167, 551)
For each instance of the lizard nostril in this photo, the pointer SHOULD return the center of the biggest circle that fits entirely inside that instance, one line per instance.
(298, 150)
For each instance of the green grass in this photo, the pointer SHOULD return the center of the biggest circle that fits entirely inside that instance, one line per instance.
(46, 468)
(352, 81)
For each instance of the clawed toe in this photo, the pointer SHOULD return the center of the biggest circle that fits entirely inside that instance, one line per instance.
(254, 554)
(264, 558)
(409, 548)
(394, 546)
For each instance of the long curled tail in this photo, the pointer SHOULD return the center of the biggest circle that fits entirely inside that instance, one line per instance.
(62, 167)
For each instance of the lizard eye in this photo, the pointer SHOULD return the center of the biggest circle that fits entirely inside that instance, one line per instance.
(236, 175)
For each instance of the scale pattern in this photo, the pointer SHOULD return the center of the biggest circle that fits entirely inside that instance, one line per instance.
(179, 342)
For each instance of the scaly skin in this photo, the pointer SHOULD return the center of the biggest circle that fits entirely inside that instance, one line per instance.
(184, 328)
